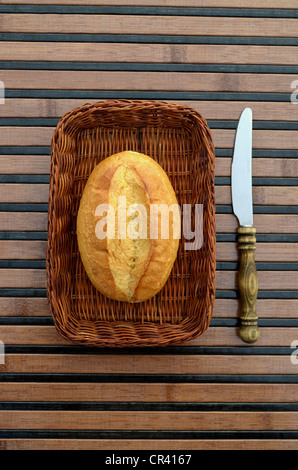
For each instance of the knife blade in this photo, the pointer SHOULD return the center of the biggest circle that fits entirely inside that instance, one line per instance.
(241, 170)
(242, 203)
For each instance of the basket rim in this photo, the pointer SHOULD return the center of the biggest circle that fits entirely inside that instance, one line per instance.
(120, 328)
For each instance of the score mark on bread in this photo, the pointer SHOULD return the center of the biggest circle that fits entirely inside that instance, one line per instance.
(126, 263)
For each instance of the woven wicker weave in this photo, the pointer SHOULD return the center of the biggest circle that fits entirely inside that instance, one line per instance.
(178, 138)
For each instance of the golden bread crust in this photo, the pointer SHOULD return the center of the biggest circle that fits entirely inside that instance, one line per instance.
(133, 268)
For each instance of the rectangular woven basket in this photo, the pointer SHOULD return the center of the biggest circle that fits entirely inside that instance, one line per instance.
(178, 138)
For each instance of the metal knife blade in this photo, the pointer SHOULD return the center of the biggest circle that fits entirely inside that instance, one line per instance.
(241, 175)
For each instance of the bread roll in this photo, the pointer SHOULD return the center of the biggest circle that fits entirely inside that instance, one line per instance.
(126, 254)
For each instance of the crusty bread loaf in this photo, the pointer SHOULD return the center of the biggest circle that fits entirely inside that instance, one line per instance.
(121, 257)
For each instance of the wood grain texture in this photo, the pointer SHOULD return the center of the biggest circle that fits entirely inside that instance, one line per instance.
(148, 364)
(262, 195)
(39, 193)
(266, 308)
(24, 307)
(227, 280)
(153, 392)
(223, 308)
(168, 3)
(248, 285)
(264, 252)
(30, 193)
(268, 280)
(140, 24)
(149, 420)
(270, 252)
(160, 53)
(225, 223)
(214, 337)
(35, 278)
(223, 138)
(142, 444)
(264, 223)
(51, 107)
(24, 164)
(23, 221)
(148, 81)
(23, 249)
(261, 167)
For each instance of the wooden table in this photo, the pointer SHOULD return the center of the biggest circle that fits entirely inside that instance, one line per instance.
(215, 392)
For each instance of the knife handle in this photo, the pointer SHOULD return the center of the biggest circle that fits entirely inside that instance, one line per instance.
(248, 285)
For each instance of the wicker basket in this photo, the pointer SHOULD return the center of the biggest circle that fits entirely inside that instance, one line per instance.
(178, 138)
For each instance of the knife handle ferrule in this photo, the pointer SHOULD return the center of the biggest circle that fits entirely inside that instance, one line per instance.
(248, 285)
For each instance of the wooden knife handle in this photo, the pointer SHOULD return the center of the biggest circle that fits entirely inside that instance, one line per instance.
(248, 285)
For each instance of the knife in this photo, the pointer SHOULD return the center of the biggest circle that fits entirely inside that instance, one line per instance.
(241, 182)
